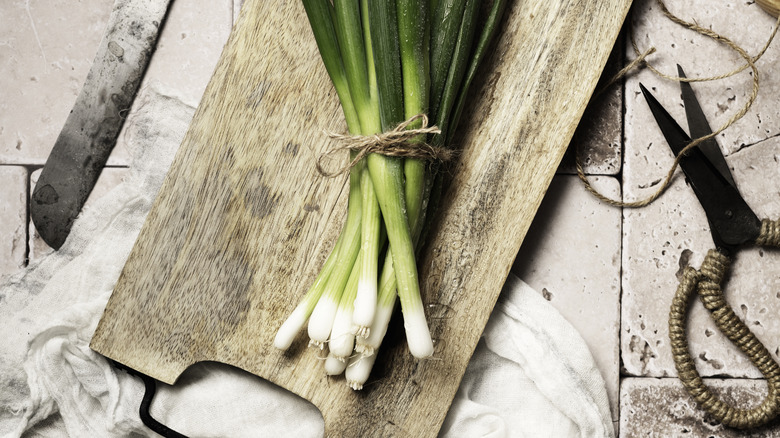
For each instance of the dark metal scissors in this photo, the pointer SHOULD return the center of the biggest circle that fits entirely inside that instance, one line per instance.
(733, 224)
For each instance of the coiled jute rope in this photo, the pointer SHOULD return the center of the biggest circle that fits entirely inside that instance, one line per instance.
(707, 283)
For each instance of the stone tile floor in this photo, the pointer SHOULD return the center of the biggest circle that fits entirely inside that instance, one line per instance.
(610, 271)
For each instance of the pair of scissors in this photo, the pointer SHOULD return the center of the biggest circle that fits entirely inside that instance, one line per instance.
(733, 224)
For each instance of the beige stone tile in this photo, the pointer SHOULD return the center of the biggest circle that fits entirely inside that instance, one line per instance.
(46, 50)
(189, 47)
(571, 255)
(661, 238)
(673, 231)
(109, 178)
(743, 22)
(598, 138)
(647, 157)
(661, 408)
(50, 48)
(13, 218)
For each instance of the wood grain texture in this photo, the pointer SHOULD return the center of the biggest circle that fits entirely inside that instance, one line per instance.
(243, 222)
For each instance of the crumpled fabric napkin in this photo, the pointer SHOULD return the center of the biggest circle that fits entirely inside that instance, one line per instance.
(531, 374)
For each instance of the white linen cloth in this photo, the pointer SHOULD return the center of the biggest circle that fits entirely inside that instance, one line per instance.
(531, 374)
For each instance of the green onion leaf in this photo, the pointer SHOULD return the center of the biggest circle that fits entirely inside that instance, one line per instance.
(320, 17)
(488, 32)
(445, 26)
(460, 61)
(413, 35)
(387, 59)
(349, 33)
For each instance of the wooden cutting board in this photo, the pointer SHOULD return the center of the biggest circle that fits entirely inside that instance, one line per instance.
(243, 221)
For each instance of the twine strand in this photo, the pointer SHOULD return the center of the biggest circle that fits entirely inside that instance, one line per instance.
(401, 141)
(749, 62)
(639, 60)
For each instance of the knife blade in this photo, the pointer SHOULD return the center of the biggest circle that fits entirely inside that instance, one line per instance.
(93, 125)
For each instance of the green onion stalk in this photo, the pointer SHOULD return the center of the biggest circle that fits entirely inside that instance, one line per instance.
(390, 61)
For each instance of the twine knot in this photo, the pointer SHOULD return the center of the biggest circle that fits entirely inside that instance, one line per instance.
(400, 141)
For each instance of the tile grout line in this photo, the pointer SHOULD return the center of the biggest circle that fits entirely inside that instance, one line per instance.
(27, 219)
(705, 378)
(619, 176)
(34, 167)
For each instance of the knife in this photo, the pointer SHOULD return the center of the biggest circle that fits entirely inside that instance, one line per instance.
(94, 123)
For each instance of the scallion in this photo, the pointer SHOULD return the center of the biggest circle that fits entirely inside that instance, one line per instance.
(390, 61)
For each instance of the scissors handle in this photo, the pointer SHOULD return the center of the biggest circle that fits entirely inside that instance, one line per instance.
(707, 283)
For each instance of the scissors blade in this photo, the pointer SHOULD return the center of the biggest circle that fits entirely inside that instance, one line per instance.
(673, 133)
(732, 222)
(699, 127)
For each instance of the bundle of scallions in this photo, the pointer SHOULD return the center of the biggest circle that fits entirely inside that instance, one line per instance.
(391, 61)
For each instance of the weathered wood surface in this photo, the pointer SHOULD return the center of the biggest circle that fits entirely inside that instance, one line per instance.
(243, 220)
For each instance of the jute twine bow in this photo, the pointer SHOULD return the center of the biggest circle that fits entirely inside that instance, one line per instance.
(400, 141)
(641, 60)
(707, 283)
